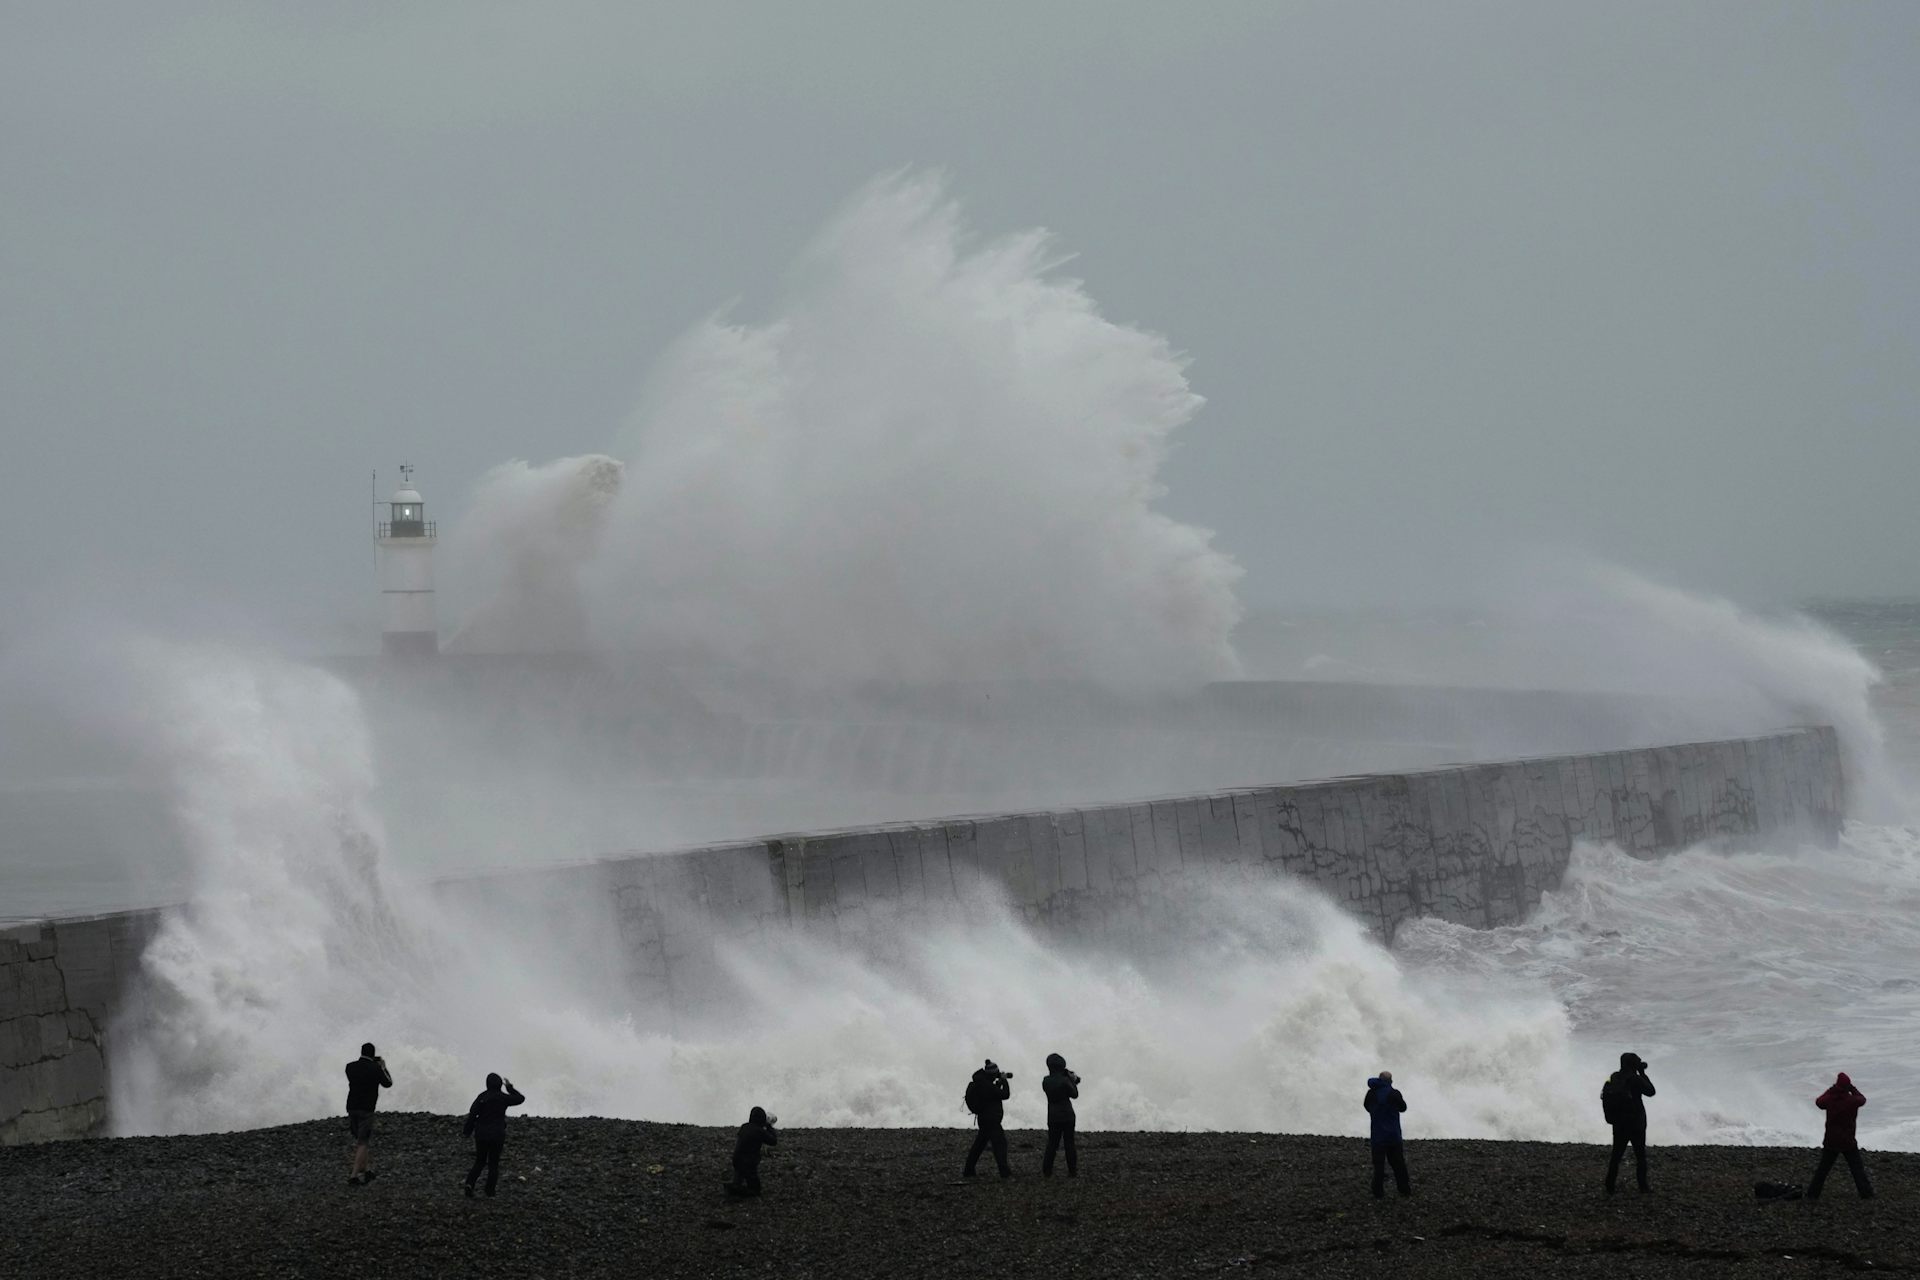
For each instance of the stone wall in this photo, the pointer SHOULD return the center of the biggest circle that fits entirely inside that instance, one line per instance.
(1476, 845)
(58, 983)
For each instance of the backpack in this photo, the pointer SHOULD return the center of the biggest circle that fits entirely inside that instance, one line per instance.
(972, 1096)
(1610, 1100)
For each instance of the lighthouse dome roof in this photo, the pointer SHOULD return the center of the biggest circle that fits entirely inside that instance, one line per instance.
(407, 494)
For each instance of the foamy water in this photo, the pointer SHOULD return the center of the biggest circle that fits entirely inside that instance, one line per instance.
(937, 461)
(1253, 1011)
(1753, 976)
(1746, 978)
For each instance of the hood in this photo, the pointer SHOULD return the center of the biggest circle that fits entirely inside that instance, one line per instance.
(1056, 1063)
(1843, 1079)
(757, 1116)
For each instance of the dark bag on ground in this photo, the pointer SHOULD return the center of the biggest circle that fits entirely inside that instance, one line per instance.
(1768, 1191)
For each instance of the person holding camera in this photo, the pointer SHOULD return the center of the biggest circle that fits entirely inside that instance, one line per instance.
(366, 1077)
(1061, 1087)
(487, 1123)
(1622, 1101)
(755, 1134)
(1385, 1105)
(1842, 1104)
(986, 1097)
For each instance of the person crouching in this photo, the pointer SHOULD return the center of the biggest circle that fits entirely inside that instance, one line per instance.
(755, 1134)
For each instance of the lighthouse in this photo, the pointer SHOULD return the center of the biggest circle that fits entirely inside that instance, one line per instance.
(405, 537)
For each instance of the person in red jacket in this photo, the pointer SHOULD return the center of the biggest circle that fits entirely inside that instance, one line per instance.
(1842, 1104)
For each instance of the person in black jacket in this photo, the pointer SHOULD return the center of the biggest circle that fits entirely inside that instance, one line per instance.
(755, 1134)
(487, 1122)
(366, 1077)
(1622, 1100)
(1385, 1105)
(1061, 1087)
(986, 1097)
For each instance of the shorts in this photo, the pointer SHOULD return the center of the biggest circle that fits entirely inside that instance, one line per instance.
(360, 1125)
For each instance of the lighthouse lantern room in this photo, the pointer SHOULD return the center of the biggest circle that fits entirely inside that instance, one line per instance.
(406, 539)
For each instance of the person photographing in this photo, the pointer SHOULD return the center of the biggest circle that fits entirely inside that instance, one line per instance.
(986, 1097)
(1842, 1103)
(1623, 1103)
(755, 1135)
(1384, 1106)
(366, 1076)
(1061, 1087)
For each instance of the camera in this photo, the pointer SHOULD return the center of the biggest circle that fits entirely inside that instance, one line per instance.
(993, 1069)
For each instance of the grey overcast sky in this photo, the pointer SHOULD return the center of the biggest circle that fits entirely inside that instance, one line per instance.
(1634, 279)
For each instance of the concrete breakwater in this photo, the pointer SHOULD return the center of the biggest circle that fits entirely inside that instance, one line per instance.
(1476, 845)
(60, 983)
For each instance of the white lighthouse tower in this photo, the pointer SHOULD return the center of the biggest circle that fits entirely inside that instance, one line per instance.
(406, 538)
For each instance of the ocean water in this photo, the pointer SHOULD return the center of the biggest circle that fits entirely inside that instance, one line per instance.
(1887, 634)
(1747, 977)
(1752, 975)
(988, 447)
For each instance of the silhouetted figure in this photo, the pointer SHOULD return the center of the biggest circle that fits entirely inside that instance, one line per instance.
(1061, 1087)
(366, 1077)
(1384, 1103)
(1622, 1101)
(1842, 1104)
(986, 1097)
(755, 1134)
(487, 1122)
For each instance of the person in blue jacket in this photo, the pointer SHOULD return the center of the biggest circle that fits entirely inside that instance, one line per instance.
(1385, 1104)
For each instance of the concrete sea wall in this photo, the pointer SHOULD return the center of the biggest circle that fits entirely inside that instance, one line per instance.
(1476, 845)
(59, 981)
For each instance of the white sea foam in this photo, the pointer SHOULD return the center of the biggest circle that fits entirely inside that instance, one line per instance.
(515, 557)
(1751, 976)
(936, 461)
(1259, 1006)
(1581, 623)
